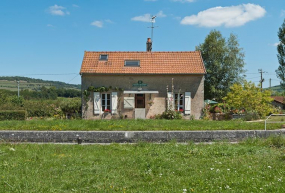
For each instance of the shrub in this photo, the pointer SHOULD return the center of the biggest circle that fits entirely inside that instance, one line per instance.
(215, 109)
(72, 107)
(206, 112)
(13, 115)
(42, 108)
(249, 116)
(17, 101)
(249, 97)
(170, 114)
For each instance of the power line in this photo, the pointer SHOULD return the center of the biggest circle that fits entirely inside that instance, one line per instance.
(72, 78)
(253, 77)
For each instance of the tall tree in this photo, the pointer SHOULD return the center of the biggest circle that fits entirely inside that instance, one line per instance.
(224, 62)
(280, 72)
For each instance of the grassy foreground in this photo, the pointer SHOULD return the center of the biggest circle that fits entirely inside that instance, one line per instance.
(250, 166)
(134, 125)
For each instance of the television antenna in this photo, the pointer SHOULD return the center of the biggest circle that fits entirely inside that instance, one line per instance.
(152, 20)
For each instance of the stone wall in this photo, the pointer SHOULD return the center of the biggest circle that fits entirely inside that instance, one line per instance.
(132, 136)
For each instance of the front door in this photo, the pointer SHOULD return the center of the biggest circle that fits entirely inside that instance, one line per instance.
(140, 101)
(140, 106)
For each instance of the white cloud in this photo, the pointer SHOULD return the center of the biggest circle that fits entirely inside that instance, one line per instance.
(143, 18)
(183, 1)
(50, 25)
(147, 17)
(177, 18)
(108, 21)
(57, 10)
(282, 14)
(97, 24)
(276, 44)
(150, 0)
(74, 5)
(160, 14)
(233, 16)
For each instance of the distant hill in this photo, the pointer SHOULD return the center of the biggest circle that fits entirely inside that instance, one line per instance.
(10, 83)
(276, 88)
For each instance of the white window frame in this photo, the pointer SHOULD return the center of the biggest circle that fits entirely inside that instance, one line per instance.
(101, 102)
(105, 99)
(177, 102)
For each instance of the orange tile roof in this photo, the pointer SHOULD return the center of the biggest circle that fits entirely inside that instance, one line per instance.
(150, 63)
(279, 99)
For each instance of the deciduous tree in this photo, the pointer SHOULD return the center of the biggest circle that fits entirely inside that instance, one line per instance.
(249, 97)
(224, 62)
(280, 72)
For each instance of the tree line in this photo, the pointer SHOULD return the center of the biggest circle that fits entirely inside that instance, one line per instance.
(56, 84)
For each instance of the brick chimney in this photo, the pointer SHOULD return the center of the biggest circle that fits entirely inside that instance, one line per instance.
(148, 45)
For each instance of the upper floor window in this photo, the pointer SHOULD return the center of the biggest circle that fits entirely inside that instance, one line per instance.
(132, 63)
(103, 57)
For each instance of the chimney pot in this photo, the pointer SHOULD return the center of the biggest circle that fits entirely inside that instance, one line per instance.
(148, 45)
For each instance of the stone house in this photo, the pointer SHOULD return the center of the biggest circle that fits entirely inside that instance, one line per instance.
(141, 84)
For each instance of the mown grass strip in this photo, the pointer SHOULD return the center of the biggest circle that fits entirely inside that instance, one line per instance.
(251, 166)
(133, 125)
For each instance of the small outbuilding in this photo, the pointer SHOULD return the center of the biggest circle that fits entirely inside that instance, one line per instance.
(278, 101)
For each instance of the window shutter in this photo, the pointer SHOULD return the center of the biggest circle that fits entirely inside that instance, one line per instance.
(97, 103)
(170, 101)
(187, 103)
(114, 102)
(129, 102)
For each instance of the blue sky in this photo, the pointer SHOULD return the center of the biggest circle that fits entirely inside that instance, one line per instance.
(46, 39)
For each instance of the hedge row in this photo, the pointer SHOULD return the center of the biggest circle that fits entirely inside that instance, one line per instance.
(13, 115)
(59, 108)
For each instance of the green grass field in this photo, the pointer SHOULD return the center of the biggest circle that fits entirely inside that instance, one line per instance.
(133, 125)
(250, 166)
(13, 86)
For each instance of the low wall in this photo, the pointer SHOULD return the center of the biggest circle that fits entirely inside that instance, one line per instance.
(132, 136)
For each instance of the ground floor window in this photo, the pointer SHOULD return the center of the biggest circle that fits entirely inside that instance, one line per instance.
(106, 102)
(179, 102)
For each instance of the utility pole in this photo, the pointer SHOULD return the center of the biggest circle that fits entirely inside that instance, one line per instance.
(269, 83)
(261, 79)
(18, 88)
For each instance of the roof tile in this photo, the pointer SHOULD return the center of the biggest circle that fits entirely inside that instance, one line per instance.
(150, 63)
